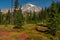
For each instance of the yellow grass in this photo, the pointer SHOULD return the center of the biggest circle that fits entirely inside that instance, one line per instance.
(28, 29)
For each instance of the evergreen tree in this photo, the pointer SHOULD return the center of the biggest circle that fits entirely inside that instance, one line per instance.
(1, 17)
(29, 17)
(39, 14)
(8, 17)
(19, 19)
(46, 13)
(53, 23)
(42, 15)
(34, 17)
(16, 4)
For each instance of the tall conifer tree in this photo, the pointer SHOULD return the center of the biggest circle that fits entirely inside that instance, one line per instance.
(1, 17)
(53, 23)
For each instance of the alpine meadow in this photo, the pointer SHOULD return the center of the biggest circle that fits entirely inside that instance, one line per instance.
(27, 21)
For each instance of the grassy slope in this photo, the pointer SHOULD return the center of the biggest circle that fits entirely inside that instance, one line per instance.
(28, 30)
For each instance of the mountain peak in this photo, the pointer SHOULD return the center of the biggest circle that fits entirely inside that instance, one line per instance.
(30, 5)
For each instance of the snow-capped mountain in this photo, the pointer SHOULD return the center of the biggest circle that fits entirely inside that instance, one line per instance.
(26, 8)
(30, 7)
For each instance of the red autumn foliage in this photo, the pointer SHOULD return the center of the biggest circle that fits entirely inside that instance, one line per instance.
(23, 37)
(7, 38)
(4, 33)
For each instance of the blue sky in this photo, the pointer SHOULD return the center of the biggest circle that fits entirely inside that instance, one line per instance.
(40, 3)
